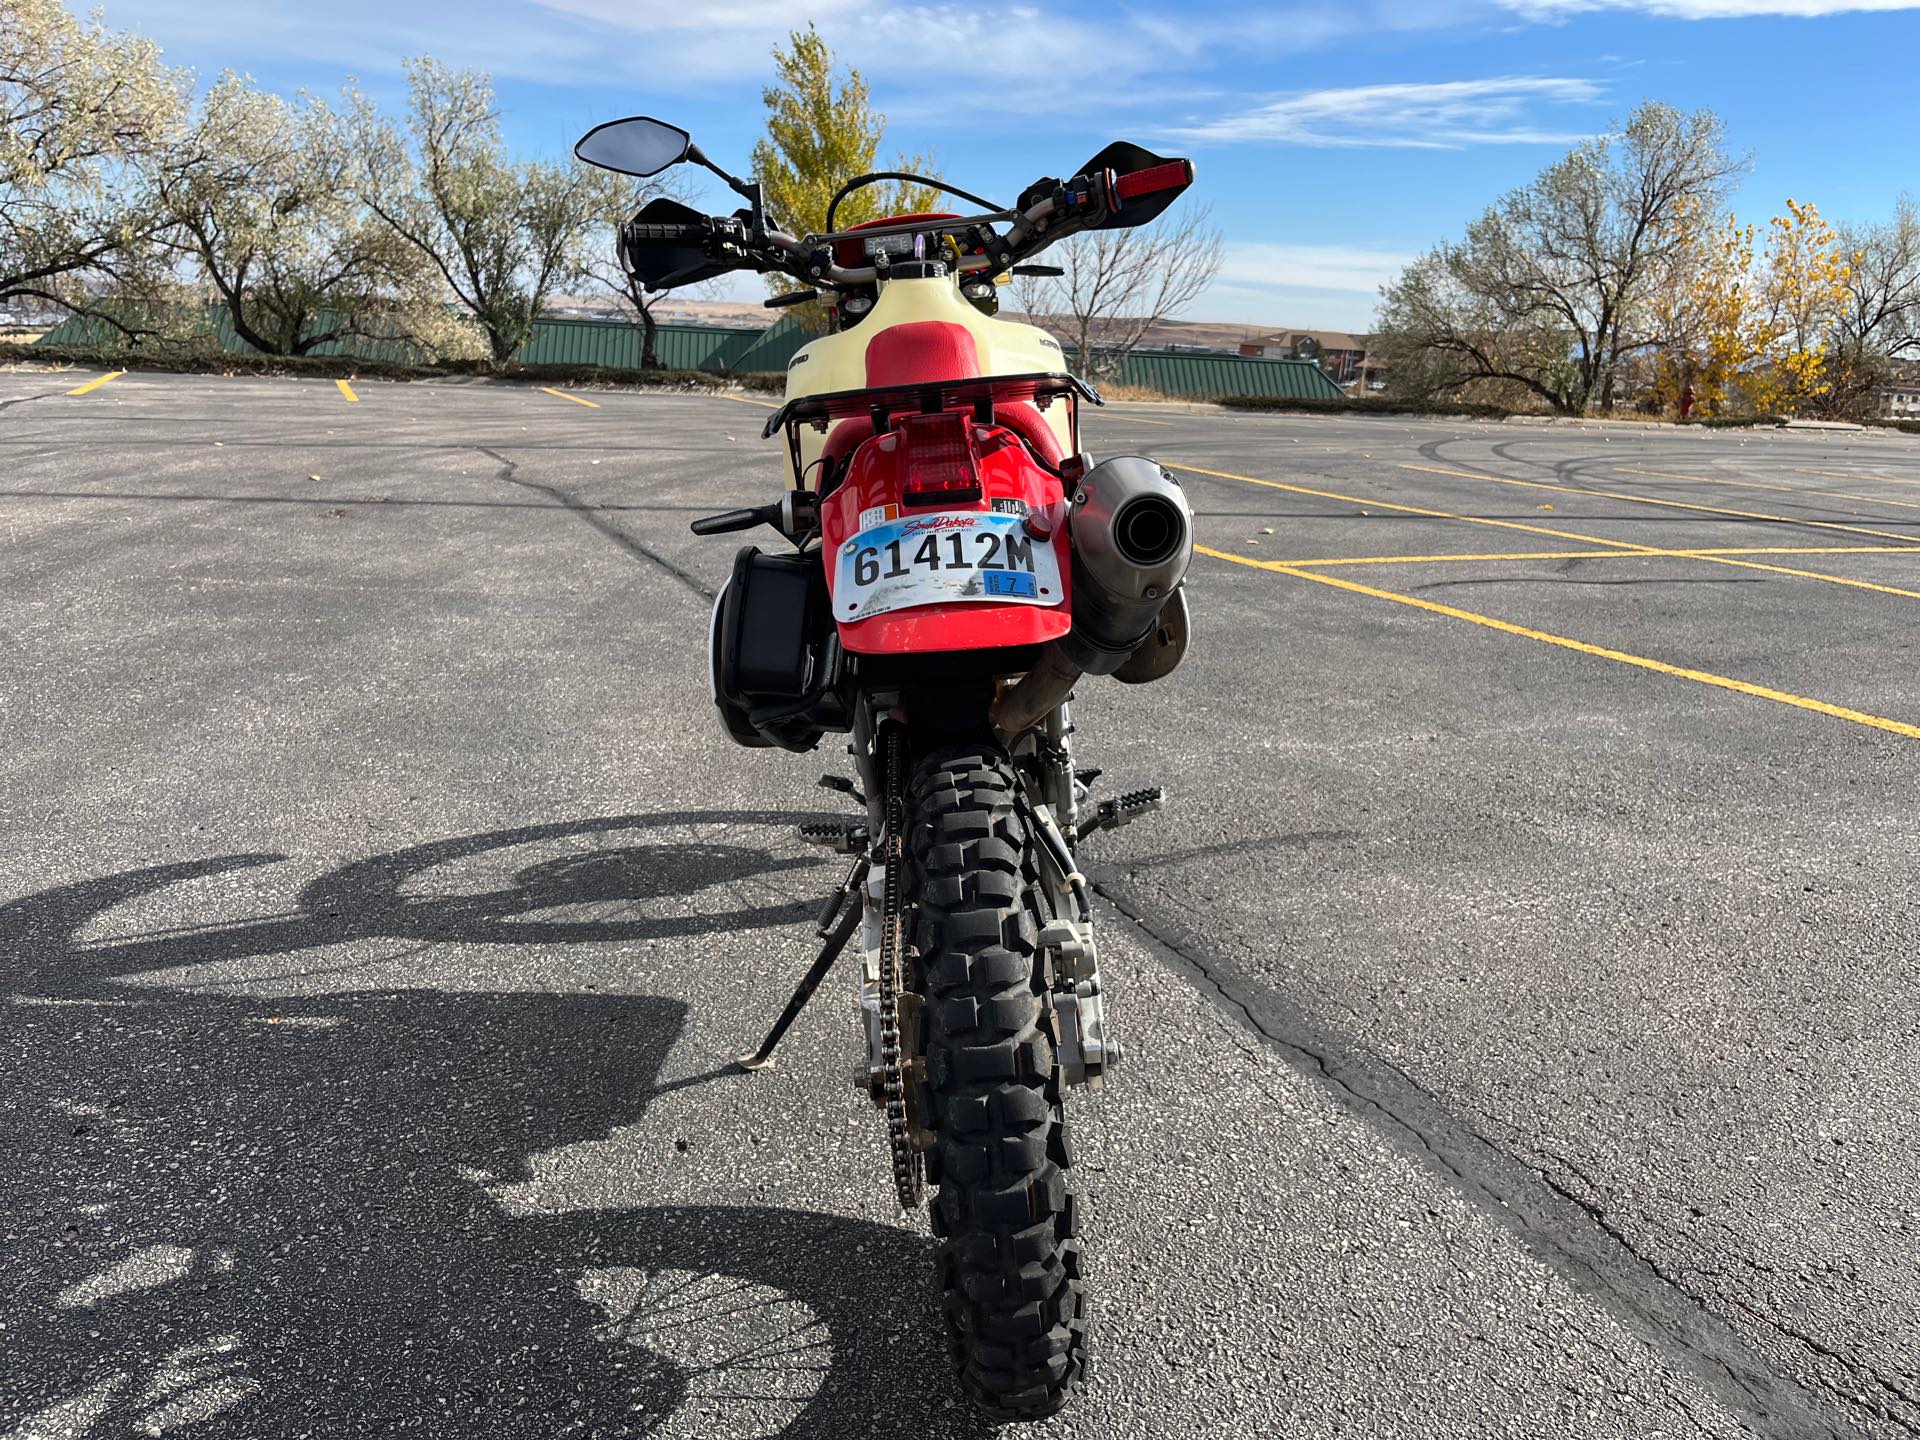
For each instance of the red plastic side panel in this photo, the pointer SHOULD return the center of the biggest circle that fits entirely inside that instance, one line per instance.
(1007, 472)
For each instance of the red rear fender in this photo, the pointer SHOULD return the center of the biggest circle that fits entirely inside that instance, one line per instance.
(1010, 481)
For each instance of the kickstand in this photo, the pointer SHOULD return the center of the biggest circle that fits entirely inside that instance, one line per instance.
(762, 1058)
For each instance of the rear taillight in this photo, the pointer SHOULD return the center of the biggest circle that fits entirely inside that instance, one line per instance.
(936, 451)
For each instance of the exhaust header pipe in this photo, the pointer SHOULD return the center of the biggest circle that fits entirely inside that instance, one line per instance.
(1131, 533)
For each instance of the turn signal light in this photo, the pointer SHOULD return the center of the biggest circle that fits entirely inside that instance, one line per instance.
(937, 451)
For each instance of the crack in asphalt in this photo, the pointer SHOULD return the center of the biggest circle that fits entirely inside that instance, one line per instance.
(28, 399)
(567, 500)
(1571, 1236)
(1853, 1367)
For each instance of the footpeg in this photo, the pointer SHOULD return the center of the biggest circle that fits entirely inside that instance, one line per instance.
(1112, 814)
(836, 835)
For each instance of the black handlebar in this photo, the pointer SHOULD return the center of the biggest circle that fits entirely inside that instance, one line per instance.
(1046, 212)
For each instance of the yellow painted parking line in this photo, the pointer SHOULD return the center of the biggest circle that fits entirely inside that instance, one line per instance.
(562, 395)
(1431, 513)
(1336, 560)
(1136, 419)
(347, 390)
(1811, 490)
(1714, 509)
(1856, 475)
(745, 400)
(1422, 510)
(1661, 667)
(1638, 554)
(1668, 504)
(92, 385)
(1815, 574)
(1625, 545)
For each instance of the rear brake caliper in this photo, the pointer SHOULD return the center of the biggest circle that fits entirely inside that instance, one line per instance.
(1083, 1047)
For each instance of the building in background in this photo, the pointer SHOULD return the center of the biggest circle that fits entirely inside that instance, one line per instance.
(1900, 396)
(1345, 357)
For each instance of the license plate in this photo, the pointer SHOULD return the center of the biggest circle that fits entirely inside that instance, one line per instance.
(943, 558)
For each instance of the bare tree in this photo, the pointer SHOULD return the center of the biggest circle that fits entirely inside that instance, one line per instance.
(1880, 321)
(502, 235)
(623, 197)
(1438, 336)
(1119, 284)
(80, 108)
(1885, 280)
(1551, 289)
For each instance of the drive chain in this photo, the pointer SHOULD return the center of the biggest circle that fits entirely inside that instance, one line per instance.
(909, 1168)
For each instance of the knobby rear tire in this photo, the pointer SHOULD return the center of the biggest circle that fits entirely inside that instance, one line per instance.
(1009, 1261)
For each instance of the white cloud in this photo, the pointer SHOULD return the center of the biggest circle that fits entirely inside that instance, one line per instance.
(1326, 287)
(776, 15)
(1704, 9)
(1443, 115)
(1256, 264)
(369, 38)
(1279, 306)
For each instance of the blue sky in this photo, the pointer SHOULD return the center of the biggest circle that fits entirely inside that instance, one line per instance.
(1333, 140)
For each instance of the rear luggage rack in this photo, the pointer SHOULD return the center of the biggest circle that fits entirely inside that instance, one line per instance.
(929, 397)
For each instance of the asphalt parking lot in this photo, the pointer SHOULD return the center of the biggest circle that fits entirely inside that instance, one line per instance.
(1519, 990)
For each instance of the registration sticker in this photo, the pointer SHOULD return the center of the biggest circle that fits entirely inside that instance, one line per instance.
(943, 557)
(877, 515)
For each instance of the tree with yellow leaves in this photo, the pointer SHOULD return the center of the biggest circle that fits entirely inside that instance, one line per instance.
(1745, 333)
(1803, 293)
(821, 134)
(1712, 313)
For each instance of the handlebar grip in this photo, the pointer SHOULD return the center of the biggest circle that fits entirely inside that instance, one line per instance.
(731, 520)
(1170, 176)
(639, 234)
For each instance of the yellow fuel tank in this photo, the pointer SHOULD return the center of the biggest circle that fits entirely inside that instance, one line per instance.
(835, 363)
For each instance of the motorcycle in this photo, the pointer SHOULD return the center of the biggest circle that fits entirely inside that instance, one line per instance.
(957, 565)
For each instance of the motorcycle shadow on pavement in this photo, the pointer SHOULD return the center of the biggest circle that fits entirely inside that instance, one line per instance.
(272, 1216)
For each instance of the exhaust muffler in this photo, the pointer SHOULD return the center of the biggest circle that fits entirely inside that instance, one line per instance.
(1131, 535)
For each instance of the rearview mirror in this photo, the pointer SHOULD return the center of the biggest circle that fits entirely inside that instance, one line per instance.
(634, 146)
